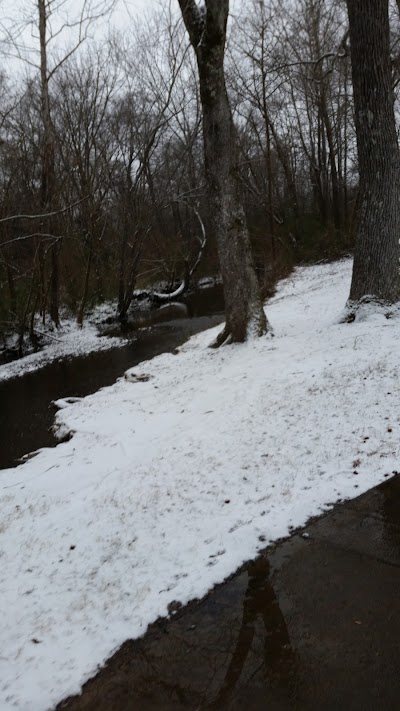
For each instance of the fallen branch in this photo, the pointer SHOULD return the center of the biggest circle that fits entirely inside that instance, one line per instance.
(160, 297)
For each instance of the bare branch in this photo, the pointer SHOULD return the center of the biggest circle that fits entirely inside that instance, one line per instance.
(22, 238)
(44, 215)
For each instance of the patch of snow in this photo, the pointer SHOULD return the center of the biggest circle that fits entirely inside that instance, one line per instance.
(175, 306)
(64, 402)
(69, 340)
(206, 282)
(174, 473)
(369, 307)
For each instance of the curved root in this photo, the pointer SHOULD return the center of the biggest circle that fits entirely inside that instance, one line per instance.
(223, 339)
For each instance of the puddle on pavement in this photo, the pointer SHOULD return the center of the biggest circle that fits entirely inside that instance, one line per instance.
(389, 513)
(231, 651)
(26, 414)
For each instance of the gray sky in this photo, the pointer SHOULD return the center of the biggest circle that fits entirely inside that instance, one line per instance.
(15, 14)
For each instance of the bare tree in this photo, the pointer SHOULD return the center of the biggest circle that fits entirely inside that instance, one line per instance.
(50, 22)
(150, 67)
(260, 101)
(244, 311)
(82, 110)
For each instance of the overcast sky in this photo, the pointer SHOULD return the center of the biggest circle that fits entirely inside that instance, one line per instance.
(15, 15)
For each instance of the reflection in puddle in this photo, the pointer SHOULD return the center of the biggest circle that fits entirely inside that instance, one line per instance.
(232, 651)
(262, 623)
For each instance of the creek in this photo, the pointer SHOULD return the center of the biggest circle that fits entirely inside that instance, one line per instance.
(26, 411)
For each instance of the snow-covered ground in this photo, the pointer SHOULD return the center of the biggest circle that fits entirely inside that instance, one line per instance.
(175, 472)
(69, 340)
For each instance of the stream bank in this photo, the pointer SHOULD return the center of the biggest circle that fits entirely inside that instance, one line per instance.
(26, 413)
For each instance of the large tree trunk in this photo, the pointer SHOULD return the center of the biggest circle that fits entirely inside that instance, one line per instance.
(243, 306)
(376, 259)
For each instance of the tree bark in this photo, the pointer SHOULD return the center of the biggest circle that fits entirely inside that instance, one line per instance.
(376, 259)
(243, 306)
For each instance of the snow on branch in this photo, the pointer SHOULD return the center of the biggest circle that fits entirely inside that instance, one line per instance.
(41, 216)
(184, 285)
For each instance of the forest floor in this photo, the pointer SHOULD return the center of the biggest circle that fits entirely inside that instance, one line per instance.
(183, 470)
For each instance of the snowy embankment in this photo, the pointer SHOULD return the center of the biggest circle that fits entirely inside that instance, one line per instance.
(172, 480)
(69, 340)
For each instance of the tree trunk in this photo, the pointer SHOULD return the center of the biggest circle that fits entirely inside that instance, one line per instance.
(85, 293)
(336, 212)
(284, 157)
(12, 293)
(48, 161)
(376, 259)
(243, 306)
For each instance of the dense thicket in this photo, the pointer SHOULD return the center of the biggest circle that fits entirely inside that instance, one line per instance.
(128, 162)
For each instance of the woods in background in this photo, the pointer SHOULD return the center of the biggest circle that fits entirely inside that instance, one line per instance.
(101, 157)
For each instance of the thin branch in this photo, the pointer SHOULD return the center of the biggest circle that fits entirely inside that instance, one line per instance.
(41, 217)
(22, 238)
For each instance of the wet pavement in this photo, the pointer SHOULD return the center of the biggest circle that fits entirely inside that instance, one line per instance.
(313, 624)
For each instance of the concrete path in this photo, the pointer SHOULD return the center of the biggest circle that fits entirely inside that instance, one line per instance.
(313, 624)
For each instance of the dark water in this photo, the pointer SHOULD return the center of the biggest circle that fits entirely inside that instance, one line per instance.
(26, 413)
